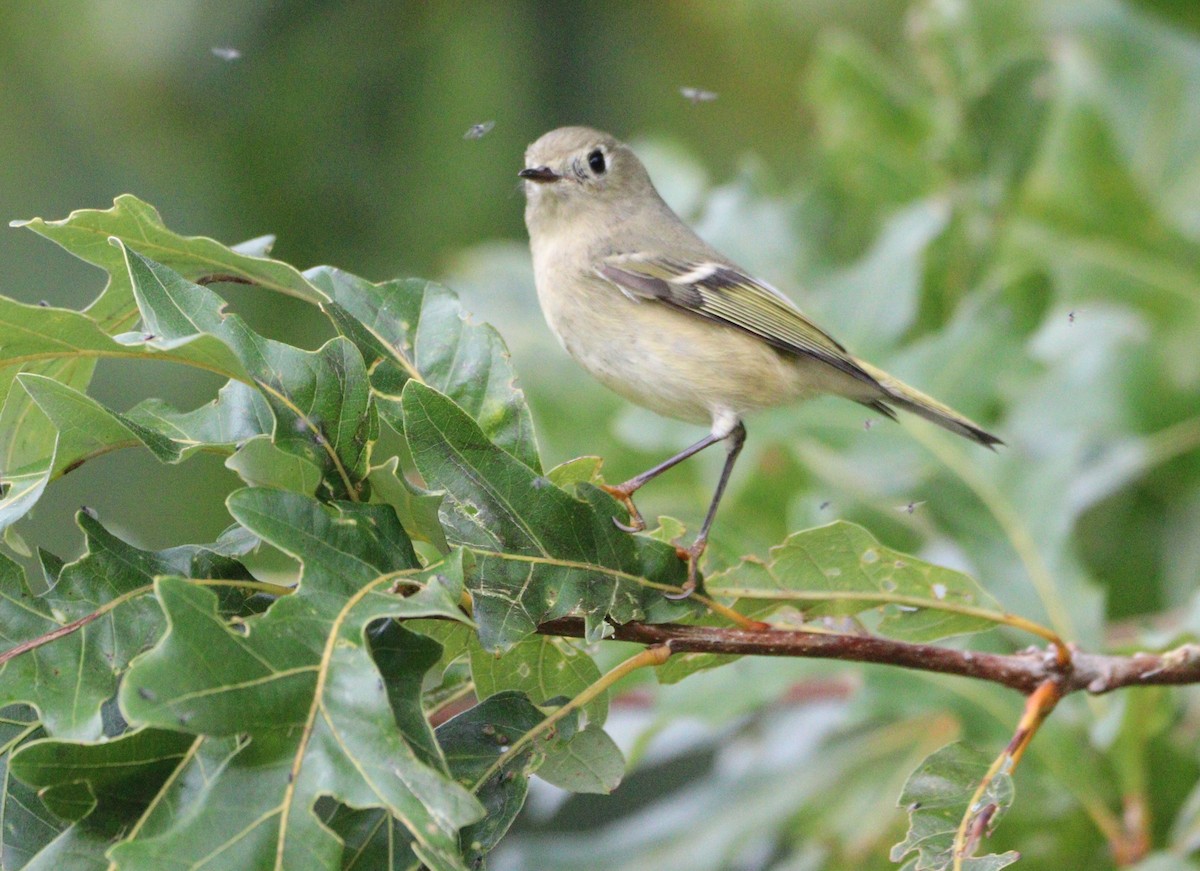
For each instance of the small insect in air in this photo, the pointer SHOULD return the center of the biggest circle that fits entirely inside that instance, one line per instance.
(697, 95)
(226, 53)
(868, 423)
(478, 131)
(824, 505)
(910, 507)
(1070, 318)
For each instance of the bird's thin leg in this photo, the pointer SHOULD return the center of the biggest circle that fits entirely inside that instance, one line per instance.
(737, 438)
(623, 493)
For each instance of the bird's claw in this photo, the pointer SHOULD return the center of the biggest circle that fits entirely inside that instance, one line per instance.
(692, 555)
(625, 497)
(637, 526)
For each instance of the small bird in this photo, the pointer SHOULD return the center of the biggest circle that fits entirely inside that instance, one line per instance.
(666, 321)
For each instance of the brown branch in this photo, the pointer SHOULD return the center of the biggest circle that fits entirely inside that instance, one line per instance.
(1025, 671)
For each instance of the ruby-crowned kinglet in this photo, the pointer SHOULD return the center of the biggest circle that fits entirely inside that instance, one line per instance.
(660, 317)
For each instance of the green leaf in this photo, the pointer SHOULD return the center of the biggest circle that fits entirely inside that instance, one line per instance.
(417, 509)
(590, 762)
(86, 428)
(340, 547)
(416, 329)
(217, 793)
(63, 346)
(28, 827)
(542, 667)
(841, 570)
(260, 463)
(33, 333)
(99, 788)
(581, 470)
(77, 428)
(477, 739)
(374, 840)
(302, 681)
(539, 552)
(239, 413)
(320, 399)
(936, 796)
(85, 233)
(308, 668)
(118, 777)
(69, 678)
(403, 658)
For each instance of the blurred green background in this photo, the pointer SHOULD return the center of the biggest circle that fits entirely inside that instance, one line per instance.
(998, 201)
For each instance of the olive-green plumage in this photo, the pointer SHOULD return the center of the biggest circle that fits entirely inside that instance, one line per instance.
(655, 313)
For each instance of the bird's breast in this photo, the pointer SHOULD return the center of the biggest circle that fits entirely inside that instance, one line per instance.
(673, 362)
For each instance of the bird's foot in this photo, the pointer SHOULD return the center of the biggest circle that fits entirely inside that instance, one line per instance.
(692, 555)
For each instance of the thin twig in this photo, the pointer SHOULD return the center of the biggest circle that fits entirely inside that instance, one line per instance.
(1025, 671)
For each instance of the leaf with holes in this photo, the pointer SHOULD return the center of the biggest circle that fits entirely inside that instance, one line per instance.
(937, 797)
(840, 570)
(542, 667)
(479, 747)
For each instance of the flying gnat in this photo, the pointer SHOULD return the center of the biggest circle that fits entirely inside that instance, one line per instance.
(868, 423)
(910, 507)
(478, 131)
(226, 53)
(697, 95)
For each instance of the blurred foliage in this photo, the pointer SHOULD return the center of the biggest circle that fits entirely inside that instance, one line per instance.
(997, 202)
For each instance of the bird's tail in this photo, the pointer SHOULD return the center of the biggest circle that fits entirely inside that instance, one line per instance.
(900, 395)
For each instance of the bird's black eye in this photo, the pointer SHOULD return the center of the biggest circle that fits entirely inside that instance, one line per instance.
(596, 161)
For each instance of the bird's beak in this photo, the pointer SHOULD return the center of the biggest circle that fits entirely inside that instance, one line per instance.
(540, 174)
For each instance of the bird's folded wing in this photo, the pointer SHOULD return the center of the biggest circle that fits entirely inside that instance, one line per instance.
(727, 295)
